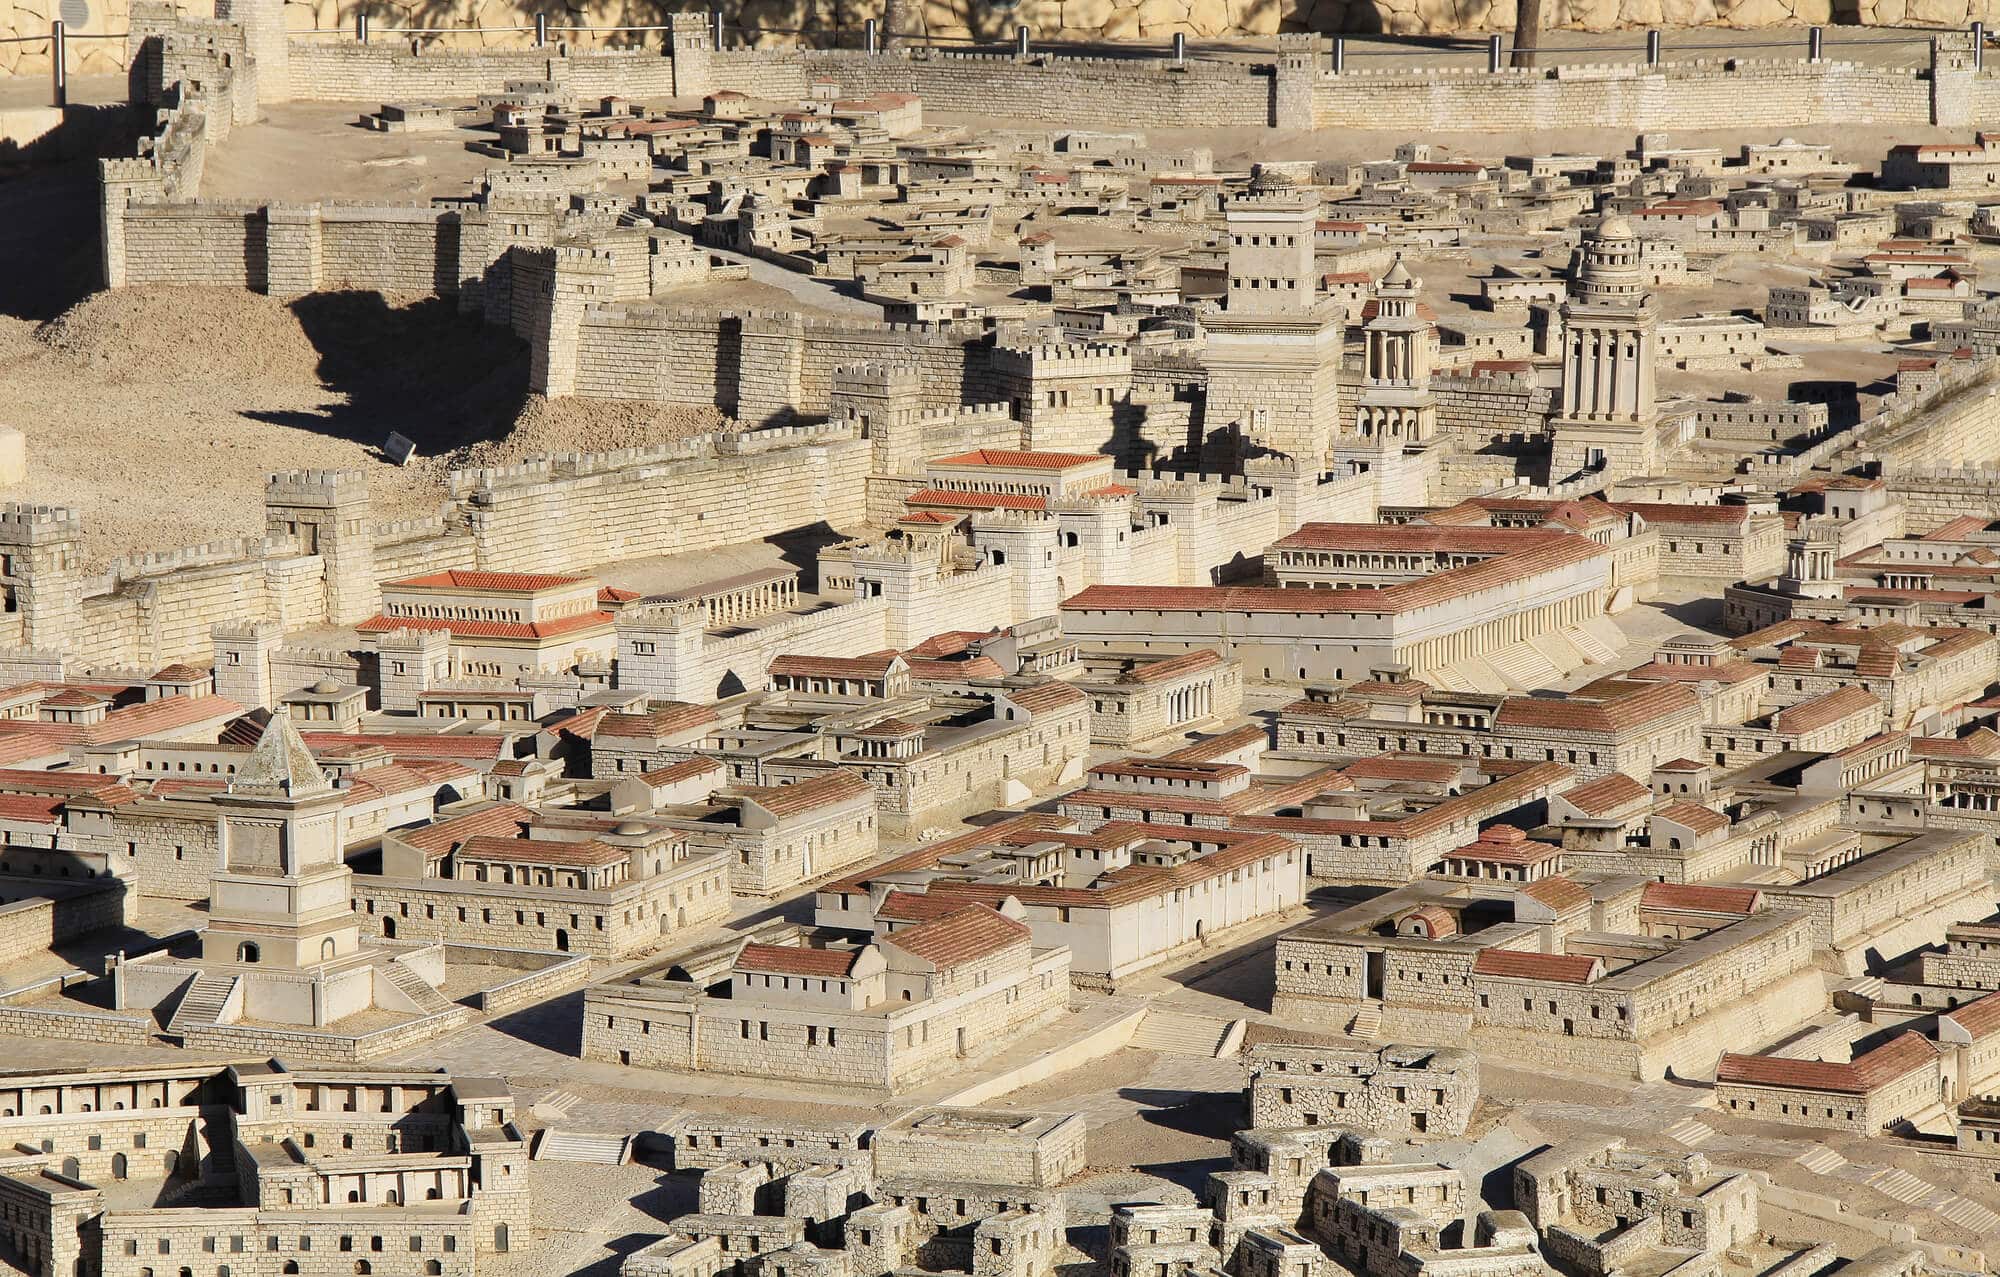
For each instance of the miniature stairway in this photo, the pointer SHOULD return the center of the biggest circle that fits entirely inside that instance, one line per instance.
(1591, 645)
(419, 990)
(1691, 1132)
(1177, 1033)
(1821, 1160)
(1523, 666)
(1901, 1185)
(202, 1003)
(1969, 1215)
(1367, 1023)
(583, 1146)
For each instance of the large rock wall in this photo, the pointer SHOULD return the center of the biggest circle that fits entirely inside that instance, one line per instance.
(1152, 20)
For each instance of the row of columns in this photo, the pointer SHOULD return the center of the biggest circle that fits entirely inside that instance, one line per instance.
(1189, 703)
(751, 601)
(1502, 631)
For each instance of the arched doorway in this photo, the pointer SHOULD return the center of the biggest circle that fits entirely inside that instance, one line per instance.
(326, 949)
(388, 928)
(71, 1168)
(248, 952)
(562, 940)
(118, 1166)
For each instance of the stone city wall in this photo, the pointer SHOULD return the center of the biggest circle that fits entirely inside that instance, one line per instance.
(32, 922)
(1933, 496)
(138, 1243)
(1727, 94)
(388, 70)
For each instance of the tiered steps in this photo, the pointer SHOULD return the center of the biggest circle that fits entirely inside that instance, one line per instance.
(1367, 1023)
(202, 1003)
(1522, 666)
(1179, 1033)
(1691, 1132)
(558, 1103)
(1591, 644)
(419, 990)
(583, 1146)
(1821, 1160)
(1901, 1185)
(1969, 1215)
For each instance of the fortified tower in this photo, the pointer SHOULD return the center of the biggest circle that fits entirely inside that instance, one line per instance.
(1606, 424)
(1063, 393)
(328, 511)
(1274, 352)
(41, 578)
(265, 38)
(1395, 414)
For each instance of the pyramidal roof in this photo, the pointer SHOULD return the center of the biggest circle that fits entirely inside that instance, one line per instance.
(280, 764)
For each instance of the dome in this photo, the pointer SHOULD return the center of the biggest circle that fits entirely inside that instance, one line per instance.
(325, 687)
(1264, 178)
(1614, 226)
(629, 829)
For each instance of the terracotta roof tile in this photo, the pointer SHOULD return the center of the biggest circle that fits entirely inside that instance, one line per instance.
(1607, 794)
(828, 790)
(1699, 899)
(785, 959)
(1561, 968)
(1017, 460)
(465, 579)
(1826, 709)
(965, 935)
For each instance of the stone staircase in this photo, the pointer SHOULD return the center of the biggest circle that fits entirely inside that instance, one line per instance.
(1900, 1184)
(1367, 1023)
(1821, 1160)
(1691, 1131)
(1592, 645)
(1180, 1033)
(1969, 1215)
(1523, 666)
(583, 1146)
(558, 1103)
(202, 1003)
(418, 990)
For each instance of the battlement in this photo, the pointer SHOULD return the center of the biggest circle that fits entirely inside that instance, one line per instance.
(404, 639)
(864, 377)
(266, 633)
(316, 488)
(667, 614)
(38, 524)
(981, 413)
(234, 550)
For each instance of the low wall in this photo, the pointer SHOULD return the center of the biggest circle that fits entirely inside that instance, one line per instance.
(335, 68)
(1704, 95)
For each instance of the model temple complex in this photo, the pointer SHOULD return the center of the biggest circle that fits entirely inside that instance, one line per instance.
(827, 644)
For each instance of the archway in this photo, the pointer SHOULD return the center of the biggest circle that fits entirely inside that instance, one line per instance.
(118, 1166)
(248, 952)
(562, 940)
(326, 949)
(388, 928)
(71, 1168)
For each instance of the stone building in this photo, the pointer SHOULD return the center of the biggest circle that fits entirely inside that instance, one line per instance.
(1422, 1090)
(885, 1015)
(1606, 426)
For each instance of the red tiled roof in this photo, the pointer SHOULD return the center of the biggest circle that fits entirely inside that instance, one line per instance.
(381, 624)
(1557, 892)
(466, 579)
(785, 959)
(659, 720)
(404, 745)
(1826, 709)
(1606, 794)
(1017, 460)
(1563, 968)
(1888, 1063)
(1699, 899)
(1703, 820)
(586, 854)
(1651, 704)
(956, 500)
(965, 935)
(830, 789)
(40, 809)
(1979, 1019)
(868, 665)
(916, 906)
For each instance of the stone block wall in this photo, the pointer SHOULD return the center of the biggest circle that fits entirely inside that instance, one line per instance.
(31, 922)
(112, 1145)
(392, 1243)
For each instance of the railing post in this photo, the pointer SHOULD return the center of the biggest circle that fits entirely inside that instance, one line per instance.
(868, 35)
(1180, 46)
(58, 64)
(1652, 48)
(715, 28)
(1020, 42)
(361, 26)
(541, 30)
(1979, 46)
(1493, 55)
(1815, 43)
(1339, 54)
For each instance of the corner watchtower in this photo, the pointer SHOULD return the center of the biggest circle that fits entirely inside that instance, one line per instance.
(328, 512)
(41, 574)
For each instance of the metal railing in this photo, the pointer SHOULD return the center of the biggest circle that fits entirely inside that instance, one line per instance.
(1655, 50)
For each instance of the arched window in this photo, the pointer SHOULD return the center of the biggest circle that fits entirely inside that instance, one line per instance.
(248, 951)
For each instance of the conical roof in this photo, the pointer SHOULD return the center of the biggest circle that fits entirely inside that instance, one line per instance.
(280, 764)
(1398, 276)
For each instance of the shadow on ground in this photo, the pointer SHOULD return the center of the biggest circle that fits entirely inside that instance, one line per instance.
(418, 368)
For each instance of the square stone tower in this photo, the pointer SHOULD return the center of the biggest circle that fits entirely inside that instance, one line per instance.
(282, 895)
(41, 576)
(1273, 354)
(328, 511)
(1607, 427)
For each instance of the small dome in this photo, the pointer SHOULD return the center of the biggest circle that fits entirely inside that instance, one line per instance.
(1264, 179)
(325, 687)
(1614, 226)
(629, 829)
